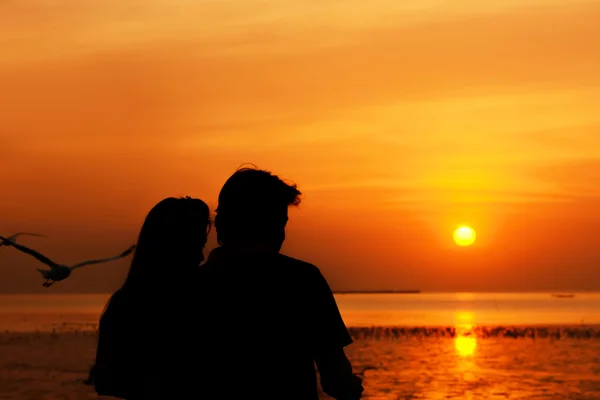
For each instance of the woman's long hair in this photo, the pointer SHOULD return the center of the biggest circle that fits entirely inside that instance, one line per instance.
(171, 240)
(169, 248)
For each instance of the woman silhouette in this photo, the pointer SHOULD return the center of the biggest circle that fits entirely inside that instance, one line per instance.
(144, 340)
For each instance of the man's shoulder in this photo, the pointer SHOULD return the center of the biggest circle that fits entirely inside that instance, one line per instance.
(300, 269)
(297, 266)
(275, 264)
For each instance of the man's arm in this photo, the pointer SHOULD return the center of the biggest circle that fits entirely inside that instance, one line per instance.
(330, 336)
(337, 379)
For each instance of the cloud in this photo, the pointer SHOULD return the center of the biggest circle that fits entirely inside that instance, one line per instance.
(80, 25)
(579, 177)
(209, 87)
(380, 65)
(573, 139)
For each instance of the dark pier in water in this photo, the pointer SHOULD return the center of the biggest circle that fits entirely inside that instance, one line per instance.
(377, 292)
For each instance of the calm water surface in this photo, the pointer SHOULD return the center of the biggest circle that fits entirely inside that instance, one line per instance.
(405, 362)
(42, 312)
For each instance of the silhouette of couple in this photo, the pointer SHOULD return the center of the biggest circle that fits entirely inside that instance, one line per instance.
(248, 323)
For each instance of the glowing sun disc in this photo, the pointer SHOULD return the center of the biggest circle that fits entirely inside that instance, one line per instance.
(464, 235)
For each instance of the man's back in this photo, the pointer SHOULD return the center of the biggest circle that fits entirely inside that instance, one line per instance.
(266, 318)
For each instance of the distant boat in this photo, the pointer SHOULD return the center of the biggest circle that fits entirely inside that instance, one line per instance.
(378, 292)
(563, 295)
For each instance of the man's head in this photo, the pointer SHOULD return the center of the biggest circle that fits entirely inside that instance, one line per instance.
(253, 208)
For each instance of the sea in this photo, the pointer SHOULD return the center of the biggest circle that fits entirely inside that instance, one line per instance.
(45, 312)
(406, 346)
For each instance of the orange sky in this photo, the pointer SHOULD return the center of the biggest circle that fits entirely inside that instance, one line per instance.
(398, 121)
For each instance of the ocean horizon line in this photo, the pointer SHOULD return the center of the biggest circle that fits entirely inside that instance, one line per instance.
(480, 331)
(387, 291)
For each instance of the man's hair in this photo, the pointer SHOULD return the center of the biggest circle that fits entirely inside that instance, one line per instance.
(252, 205)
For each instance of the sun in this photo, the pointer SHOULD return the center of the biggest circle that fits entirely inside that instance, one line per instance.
(464, 235)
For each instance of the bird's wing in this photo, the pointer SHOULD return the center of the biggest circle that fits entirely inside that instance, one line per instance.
(103, 260)
(31, 252)
(13, 238)
(16, 235)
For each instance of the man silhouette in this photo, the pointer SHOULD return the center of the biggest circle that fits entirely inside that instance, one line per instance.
(267, 318)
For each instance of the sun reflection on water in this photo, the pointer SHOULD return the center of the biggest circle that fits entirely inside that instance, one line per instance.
(465, 345)
(465, 341)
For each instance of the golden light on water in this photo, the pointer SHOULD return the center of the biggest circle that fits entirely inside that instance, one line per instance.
(465, 341)
(465, 345)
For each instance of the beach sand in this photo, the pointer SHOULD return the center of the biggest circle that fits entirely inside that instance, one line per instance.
(408, 364)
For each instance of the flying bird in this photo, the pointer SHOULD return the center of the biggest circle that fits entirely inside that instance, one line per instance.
(59, 272)
(14, 237)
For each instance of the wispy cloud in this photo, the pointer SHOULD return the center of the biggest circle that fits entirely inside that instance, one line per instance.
(575, 139)
(579, 176)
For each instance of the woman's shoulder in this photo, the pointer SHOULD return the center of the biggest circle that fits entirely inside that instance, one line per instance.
(115, 308)
(117, 300)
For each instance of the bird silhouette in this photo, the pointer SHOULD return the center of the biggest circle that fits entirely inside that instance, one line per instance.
(14, 237)
(59, 272)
